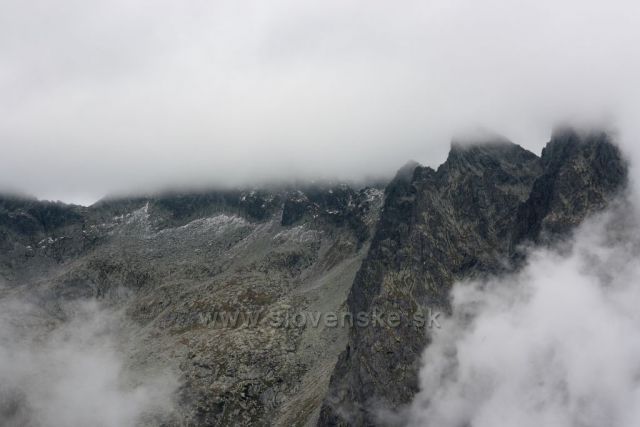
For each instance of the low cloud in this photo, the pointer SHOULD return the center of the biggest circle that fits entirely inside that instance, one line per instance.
(135, 95)
(557, 344)
(73, 372)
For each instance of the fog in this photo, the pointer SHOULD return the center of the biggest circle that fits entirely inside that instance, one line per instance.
(122, 96)
(557, 344)
(68, 368)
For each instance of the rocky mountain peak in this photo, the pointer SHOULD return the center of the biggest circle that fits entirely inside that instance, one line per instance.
(485, 154)
(463, 221)
(406, 172)
(582, 171)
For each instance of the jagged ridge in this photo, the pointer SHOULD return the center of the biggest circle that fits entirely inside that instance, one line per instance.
(463, 220)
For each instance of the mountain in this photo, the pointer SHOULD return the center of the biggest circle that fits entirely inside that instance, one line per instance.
(467, 219)
(173, 261)
(176, 265)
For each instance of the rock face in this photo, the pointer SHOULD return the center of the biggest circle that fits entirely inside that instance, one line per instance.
(178, 265)
(181, 265)
(580, 174)
(465, 219)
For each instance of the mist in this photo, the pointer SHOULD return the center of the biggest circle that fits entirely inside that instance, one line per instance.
(557, 344)
(103, 98)
(67, 367)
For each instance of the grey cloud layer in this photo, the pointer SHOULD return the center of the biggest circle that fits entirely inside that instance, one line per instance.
(105, 97)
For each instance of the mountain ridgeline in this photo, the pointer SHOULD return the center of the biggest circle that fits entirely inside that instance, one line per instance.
(469, 218)
(171, 261)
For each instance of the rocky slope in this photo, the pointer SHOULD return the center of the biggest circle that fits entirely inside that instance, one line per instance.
(468, 218)
(173, 263)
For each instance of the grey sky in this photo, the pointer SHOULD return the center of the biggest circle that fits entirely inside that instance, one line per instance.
(129, 95)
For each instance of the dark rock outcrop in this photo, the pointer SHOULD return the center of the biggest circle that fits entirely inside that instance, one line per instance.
(465, 219)
(581, 173)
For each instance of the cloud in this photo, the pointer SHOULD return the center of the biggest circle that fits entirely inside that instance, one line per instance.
(73, 373)
(128, 95)
(557, 344)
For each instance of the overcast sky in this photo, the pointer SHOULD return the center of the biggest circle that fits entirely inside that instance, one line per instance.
(115, 96)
